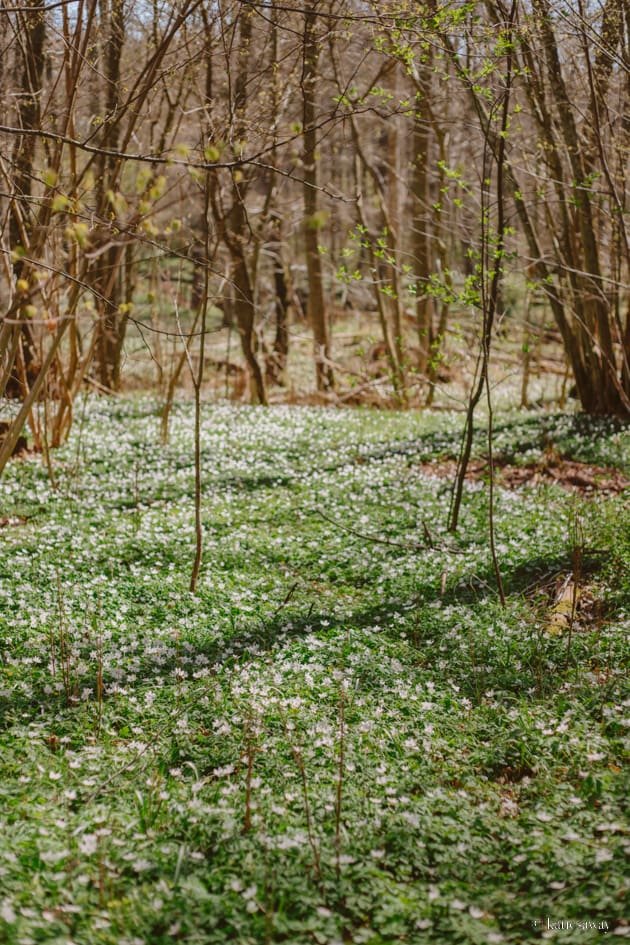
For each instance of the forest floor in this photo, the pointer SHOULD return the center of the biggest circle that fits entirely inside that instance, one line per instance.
(527, 365)
(343, 736)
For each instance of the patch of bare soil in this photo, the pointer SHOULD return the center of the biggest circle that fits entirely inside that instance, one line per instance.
(21, 446)
(11, 521)
(584, 478)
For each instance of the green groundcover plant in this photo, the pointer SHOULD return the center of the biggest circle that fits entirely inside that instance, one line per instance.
(342, 737)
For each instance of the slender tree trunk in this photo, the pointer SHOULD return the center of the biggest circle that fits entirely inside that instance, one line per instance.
(490, 283)
(316, 309)
(390, 347)
(420, 181)
(245, 311)
(394, 225)
(32, 27)
(236, 231)
(589, 333)
(388, 329)
(105, 274)
(439, 234)
(279, 356)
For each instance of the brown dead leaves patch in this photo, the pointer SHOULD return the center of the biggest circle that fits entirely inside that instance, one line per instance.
(583, 478)
(12, 521)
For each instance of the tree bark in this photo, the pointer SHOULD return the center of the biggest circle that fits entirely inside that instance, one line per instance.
(28, 103)
(105, 276)
(421, 229)
(236, 231)
(317, 312)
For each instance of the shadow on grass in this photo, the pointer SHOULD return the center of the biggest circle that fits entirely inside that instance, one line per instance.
(513, 666)
(258, 636)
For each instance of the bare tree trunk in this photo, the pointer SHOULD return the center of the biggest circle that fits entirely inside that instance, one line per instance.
(393, 218)
(236, 231)
(439, 234)
(316, 309)
(420, 181)
(11, 437)
(570, 271)
(245, 311)
(587, 327)
(277, 362)
(390, 347)
(105, 276)
(492, 248)
(32, 31)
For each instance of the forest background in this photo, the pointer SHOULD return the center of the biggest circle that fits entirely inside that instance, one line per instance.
(413, 178)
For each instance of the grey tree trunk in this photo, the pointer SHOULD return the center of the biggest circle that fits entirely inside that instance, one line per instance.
(317, 312)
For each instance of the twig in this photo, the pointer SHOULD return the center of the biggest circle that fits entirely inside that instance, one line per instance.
(406, 546)
(286, 600)
(105, 390)
(299, 763)
(340, 775)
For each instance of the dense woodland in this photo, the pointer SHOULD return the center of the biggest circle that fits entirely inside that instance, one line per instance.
(315, 465)
(172, 169)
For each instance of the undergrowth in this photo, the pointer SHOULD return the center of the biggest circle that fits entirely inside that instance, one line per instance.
(342, 737)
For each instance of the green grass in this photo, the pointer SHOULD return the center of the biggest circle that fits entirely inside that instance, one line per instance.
(195, 796)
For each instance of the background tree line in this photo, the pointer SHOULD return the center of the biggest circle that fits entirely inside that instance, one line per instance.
(275, 161)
